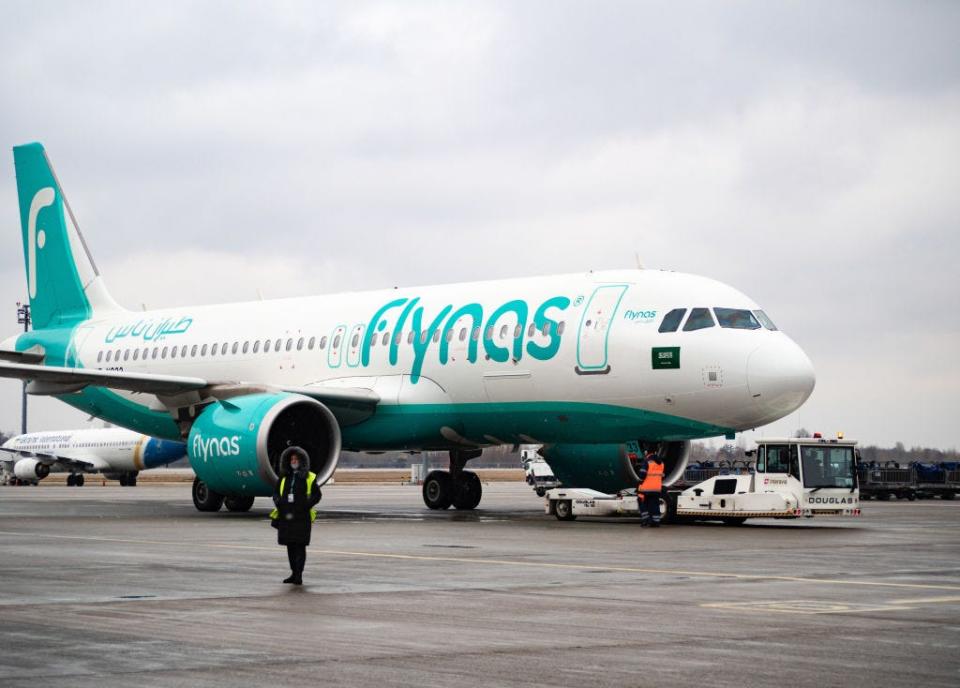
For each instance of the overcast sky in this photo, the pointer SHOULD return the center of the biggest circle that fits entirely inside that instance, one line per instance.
(805, 153)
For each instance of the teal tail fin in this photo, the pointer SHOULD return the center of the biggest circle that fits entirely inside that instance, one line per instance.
(62, 280)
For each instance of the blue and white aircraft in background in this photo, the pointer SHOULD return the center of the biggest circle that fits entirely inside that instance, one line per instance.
(584, 364)
(117, 453)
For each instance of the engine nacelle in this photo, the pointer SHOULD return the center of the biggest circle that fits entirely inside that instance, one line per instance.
(234, 445)
(608, 467)
(30, 469)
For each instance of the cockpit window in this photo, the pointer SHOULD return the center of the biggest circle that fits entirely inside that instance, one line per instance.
(699, 319)
(671, 321)
(765, 320)
(736, 319)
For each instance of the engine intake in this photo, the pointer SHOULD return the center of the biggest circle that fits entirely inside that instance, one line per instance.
(608, 467)
(235, 445)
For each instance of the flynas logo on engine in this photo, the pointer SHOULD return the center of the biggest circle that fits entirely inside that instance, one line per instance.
(212, 447)
(439, 330)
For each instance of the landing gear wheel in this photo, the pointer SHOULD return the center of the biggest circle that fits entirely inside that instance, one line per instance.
(131, 480)
(204, 498)
(467, 491)
(734, 521)
(541, 491)
(71, 480)
(122, 480)
(564, 510)
(947, 495)
(238, 504)
(438, 490)
(78, 480)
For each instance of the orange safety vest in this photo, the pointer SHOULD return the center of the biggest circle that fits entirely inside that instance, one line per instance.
(653, 481)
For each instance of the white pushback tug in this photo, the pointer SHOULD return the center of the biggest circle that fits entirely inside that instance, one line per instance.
(791, 478)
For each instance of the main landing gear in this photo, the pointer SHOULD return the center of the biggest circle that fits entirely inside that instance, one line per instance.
(456, 487)
(206, 499)
(75, 480)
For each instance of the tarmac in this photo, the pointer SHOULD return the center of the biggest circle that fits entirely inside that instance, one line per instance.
(111, 586)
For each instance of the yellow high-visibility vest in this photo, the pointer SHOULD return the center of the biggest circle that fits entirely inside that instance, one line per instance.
(311, 478)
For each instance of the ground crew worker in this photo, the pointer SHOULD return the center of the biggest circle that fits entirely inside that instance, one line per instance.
(649, 489)
(295, 496)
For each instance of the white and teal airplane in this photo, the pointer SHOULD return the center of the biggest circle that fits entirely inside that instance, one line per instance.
(117, 453)
(589, 365)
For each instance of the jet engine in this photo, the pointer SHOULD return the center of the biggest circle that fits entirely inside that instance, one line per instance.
(608, 467)
(30, 469)
(235, 444)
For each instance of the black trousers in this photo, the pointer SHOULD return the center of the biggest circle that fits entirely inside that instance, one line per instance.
(297, 554)
(650, 506)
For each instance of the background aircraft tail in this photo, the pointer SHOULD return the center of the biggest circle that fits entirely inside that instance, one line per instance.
(63, 282)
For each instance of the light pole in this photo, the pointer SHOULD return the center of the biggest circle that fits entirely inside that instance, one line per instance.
(23, 318)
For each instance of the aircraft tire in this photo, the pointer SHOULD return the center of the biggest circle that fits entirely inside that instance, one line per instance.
(438, 490)
(71, 480)
(239, 504)
(204, 498)
(78, 480)
(467, 492)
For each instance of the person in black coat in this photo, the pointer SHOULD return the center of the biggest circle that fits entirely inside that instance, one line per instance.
(295, 496)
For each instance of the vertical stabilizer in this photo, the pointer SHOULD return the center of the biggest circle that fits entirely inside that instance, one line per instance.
(63, 283)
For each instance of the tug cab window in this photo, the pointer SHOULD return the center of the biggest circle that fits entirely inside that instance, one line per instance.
(672, 320)
(736, 319)
(778, 458)
(699, 319)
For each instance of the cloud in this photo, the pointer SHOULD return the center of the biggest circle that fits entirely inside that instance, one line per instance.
(805, 154)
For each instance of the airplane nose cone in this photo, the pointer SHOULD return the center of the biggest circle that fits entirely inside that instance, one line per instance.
(780, 377)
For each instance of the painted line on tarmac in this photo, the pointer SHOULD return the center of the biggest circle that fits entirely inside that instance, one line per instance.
(526, 564)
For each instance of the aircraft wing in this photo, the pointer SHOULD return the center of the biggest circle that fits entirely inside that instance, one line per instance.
(51, 459)
(350, 405)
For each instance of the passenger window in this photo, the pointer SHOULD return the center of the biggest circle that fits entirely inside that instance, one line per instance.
(99, 356)
(449, 335)
(736, 319)
(410, 337)
(146, 352)
(163, 353)
(183, 351)
(323, 342)
(765, 320)
(193, 351)
(476, 333)
(385, 339)
(699, 319)
(545, 330)
(313, 340)
(233, 350)
(488, 335)
(424, 336)
(223, 349)
(246, 347)
(503, 331)
(561, 327)
(256, 346)
(277, 344)
(156, 351)
(289, 344)
(517, 331)
(109, 356)
(266, 346)
(173, 352)
(463, 334)
(300, 344)
(436, 336)
(136, 354)
(671, 321)
(531, 330)
(336, 342)
(397, 338)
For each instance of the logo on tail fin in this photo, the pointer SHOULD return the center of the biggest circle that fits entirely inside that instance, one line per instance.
(36, 240)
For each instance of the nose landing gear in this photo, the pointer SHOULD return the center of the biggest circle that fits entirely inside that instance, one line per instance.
(457, 487)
